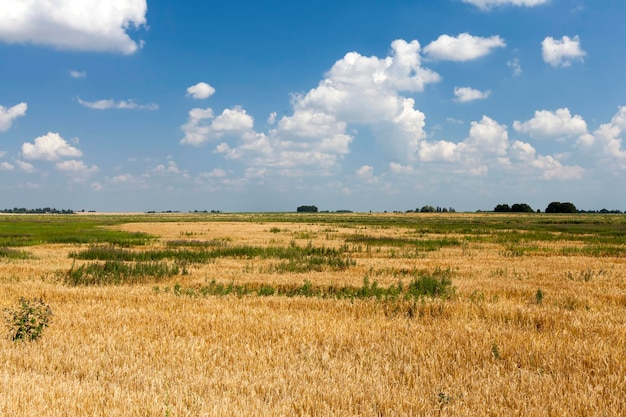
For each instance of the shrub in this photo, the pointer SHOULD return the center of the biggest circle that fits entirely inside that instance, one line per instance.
(27, 321)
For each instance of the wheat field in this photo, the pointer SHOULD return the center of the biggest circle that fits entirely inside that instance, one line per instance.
(534, 326)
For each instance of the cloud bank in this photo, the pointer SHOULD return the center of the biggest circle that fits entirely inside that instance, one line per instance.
(82, 25)
(489, 4)
(116, 105)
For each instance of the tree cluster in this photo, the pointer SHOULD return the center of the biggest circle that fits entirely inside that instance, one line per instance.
(46, 210)
(431, 209)
(307, 209)
(557, 207)
(515, 208)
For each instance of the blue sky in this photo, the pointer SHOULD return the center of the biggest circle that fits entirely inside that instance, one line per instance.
(135, 105)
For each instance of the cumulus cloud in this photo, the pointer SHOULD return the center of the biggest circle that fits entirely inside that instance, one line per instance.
(488, 147)
(607, 139)
(553, 169)
(50, 147)
(489, 4)
(546, 124)
(366, 173)
(202, 126)
(563, 52)
(116, 105)
(76, 169)
(464, 47)
(465, 94)
(7, 115)
(200, 91)
(83, 25)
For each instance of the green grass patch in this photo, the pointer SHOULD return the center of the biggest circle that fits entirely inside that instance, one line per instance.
(418, 244)
(17, 231)
(425, 285)
(8, 253)
(119, 273)
(294, 258)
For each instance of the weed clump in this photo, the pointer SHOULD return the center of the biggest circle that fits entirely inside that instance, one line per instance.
(119, 273)
(28, 320)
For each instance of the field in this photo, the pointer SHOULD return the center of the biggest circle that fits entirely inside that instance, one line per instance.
(412, 314)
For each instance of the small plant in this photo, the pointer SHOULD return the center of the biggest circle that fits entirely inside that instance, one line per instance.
(495, 351)
(28, 320)
(539, 297)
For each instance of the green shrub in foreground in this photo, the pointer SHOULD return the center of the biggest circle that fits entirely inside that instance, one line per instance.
(28, 320)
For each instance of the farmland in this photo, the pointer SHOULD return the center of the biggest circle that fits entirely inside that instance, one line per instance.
(413, 314)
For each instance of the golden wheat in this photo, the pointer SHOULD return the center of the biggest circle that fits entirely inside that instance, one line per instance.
(493, 349)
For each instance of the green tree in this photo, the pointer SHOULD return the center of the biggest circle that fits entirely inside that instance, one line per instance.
(502, 208)
(521, 208)
(558, 207)
(307, 209)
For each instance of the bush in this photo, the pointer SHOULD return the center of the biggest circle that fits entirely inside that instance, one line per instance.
(557, 207)
(28, 320)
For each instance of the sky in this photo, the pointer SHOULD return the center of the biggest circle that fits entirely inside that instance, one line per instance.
(238, 106)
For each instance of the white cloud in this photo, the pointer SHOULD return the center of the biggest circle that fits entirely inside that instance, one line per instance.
(233, 120)
(488, 147)
(78, 74)
(561, 53)
(464, 47)
(607, 141)
(546, 124)
(200, 91)
(124, 179)
(170, 169)
(272, 118)
(5, 166)
(315, 137)
(76, 169)
(522, 151)
(84, 25)
(366, 173)
(215, 173)
(514, 64)
(489, 4)
(488, 136)
(25, 167)
(553, 169)
(465, 94)
(50, 147)
(400, 169)
(116, 105)
(202, 126)
(8, 115)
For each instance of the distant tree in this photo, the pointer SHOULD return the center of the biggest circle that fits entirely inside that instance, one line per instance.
(521, 208)
(558, 207)
(427, 209)
(502, 208)
(307, 209)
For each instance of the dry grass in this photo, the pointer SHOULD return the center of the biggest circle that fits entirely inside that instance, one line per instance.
(492, 350)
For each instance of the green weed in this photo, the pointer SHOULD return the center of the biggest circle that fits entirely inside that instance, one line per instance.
(28, 320)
